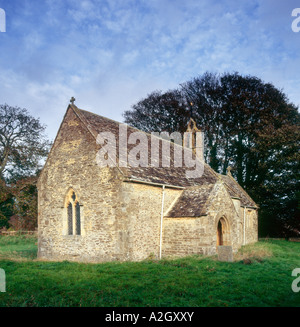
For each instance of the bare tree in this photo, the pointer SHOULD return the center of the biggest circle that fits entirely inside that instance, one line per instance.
(22, 142)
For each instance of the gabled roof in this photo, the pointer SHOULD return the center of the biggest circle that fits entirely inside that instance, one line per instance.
(193, 200)
(236, 191)
(165, 176)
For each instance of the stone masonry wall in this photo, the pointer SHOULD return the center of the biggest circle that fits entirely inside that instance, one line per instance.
(188, 236)
(72, 164)
(251, 223)
(143, 211)
(185, 236)
(121, 220)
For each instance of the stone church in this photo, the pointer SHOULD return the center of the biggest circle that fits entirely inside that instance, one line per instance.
(91, 213)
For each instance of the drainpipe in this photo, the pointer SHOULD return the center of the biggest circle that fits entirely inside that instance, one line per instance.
(161, 220)
(244, 226)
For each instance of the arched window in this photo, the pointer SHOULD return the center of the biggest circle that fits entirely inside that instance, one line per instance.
(70, 219)
(73, 210)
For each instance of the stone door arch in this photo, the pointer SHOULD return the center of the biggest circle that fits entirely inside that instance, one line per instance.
(223, 232)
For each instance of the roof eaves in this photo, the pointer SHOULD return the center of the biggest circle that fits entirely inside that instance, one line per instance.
(134, 180)
(243, 191)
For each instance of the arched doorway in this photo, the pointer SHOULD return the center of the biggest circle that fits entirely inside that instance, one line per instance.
(219, 234)
(223, 232)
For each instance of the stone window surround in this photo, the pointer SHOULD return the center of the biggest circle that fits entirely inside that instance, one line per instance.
(68, 199)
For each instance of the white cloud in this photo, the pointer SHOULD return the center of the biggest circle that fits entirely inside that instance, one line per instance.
(110, 54)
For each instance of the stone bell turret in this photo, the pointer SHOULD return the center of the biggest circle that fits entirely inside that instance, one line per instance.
(193, 139)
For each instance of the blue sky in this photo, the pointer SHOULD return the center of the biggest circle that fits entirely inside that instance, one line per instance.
(109, 54)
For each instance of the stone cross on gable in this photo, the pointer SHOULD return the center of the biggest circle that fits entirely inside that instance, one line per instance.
(191, 110)
(72, 100)
(229, 169)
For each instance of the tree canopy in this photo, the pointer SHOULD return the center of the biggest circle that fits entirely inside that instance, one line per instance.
(249, 125)
(22, 143)
(23, 146)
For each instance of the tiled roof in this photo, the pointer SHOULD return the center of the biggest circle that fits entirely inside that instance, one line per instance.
(236, 191)
(192, 202)
(162, 175)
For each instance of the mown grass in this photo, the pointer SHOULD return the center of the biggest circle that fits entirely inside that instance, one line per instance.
(259, 277)
(22, 247)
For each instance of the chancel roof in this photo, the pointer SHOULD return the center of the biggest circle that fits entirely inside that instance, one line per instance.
(193, 200)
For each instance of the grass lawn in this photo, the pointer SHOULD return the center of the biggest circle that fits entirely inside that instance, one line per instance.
(261, 276)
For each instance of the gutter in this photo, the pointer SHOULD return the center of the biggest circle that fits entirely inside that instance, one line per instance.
(161, 220)
(133, 180)
(163, 186)
(244, 227)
